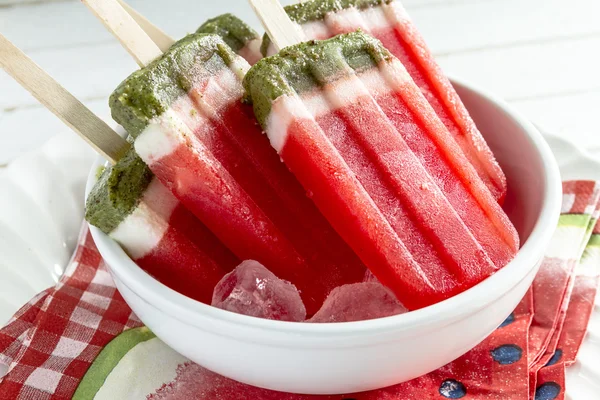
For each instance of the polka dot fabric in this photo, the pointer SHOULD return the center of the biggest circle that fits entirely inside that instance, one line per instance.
(524, 358)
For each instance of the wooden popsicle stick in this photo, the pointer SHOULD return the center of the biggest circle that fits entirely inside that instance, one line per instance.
(62, 103)
(125, 29)
(280, 28)
(158, 36)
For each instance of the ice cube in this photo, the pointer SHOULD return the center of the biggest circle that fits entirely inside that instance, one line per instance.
(357, 302)
(369, 277)
(251, 289)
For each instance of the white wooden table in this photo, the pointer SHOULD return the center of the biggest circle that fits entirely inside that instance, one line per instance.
(543, 56)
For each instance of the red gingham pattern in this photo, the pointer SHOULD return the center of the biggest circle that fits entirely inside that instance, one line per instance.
(50, 343)
(13, 334)
(554, 280)
(580, 197)
(579, 310)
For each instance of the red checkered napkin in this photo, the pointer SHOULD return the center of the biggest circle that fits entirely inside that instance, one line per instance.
(51, 342)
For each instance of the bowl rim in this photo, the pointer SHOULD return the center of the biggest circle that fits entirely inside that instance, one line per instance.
(192, 312)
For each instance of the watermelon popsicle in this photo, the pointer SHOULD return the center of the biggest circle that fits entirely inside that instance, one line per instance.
(387, 21)
(205, 146)
(131, 206)
(349, 122)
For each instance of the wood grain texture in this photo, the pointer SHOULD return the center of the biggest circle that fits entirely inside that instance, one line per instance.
(451, 28)
(515, 73)
(89, 72)
(62, 103)
(31, 126)
(158, 36)
(125, 29)
(279, 27)
(573, 116)
(531, 70)
(495, 22)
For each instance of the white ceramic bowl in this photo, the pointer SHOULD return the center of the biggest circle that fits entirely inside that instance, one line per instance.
(357, 356)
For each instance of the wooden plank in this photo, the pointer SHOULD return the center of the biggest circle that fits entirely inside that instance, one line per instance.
(124, 28)
(32, 126)
(414, 4)
(572, 116)
(72, 24)
(514, 73)
(62, 103)
(408, 2)
(87, 72)
(13, 3)
(531, 70)
(487, 24)
(60, 24)
(186, 16)
(282, 31)
(67, 24)
(158, 36)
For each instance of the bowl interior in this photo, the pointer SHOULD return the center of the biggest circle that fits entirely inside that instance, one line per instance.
(532, 203)
(517, 154)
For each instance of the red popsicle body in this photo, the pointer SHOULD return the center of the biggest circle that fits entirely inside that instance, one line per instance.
(191, 262)
(389, 22)
(163, 237)
(382, 167)
(208, 149)
(169, 243)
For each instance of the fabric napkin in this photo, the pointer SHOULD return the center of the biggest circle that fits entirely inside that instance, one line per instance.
(80, 339)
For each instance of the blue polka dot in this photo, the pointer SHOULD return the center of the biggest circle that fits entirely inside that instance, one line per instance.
(555, 358)
(452, 389)
(547, 391)
(509, 320)
(507, 354)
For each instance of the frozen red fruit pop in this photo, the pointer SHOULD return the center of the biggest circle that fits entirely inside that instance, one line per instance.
(388, 21)
(204, 145)
(130, 205)
(251, 289)
(350, 123)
